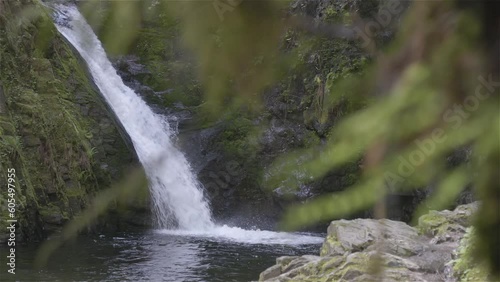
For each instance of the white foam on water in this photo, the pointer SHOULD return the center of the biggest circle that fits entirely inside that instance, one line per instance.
(239, 235)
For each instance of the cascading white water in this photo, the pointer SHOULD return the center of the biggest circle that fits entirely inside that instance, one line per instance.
(177, 198)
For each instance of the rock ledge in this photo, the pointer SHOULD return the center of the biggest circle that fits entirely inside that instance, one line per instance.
(354, 249)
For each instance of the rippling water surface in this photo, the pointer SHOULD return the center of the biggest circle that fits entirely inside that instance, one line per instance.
(163, 256)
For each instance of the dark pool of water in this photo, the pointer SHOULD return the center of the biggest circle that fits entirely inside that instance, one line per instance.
(150, 256)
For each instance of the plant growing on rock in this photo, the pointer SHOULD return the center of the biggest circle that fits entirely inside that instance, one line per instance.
(432, 91)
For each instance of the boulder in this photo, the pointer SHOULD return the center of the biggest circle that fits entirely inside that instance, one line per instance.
(381, 250)
(346, 236)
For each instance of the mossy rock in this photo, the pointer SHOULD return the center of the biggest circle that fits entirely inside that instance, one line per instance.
(348, 236)
(466, 267)
(355, 249)
(437, 223)
(52, 215)
(433, 223)
(44, 133)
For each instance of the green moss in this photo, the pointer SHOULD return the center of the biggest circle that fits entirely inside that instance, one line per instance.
(332, 264)
(311, 139)
(432, 223)
(466, 267)
(321, 64)
(45, 136)
(329, 241)
(235, 135)
(358, 260)
(170, 68)
(49, 211)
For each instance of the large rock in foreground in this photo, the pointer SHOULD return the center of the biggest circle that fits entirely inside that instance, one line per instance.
(354, 250)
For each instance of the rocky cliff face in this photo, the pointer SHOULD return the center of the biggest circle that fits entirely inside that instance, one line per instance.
(233, 153)
(55, 129)
(373, 250)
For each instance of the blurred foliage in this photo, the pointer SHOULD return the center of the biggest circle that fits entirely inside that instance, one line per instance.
(237, 50)
(420, 99)
(422, 103)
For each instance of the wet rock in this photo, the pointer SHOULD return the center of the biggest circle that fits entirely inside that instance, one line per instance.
(50, 189)
(52, 215)
(110, 150)
(3, 100)
(129, 65)
(447, 225)
(74, 204)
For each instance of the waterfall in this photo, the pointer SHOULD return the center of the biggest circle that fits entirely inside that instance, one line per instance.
(176, 195)
(178, 203)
